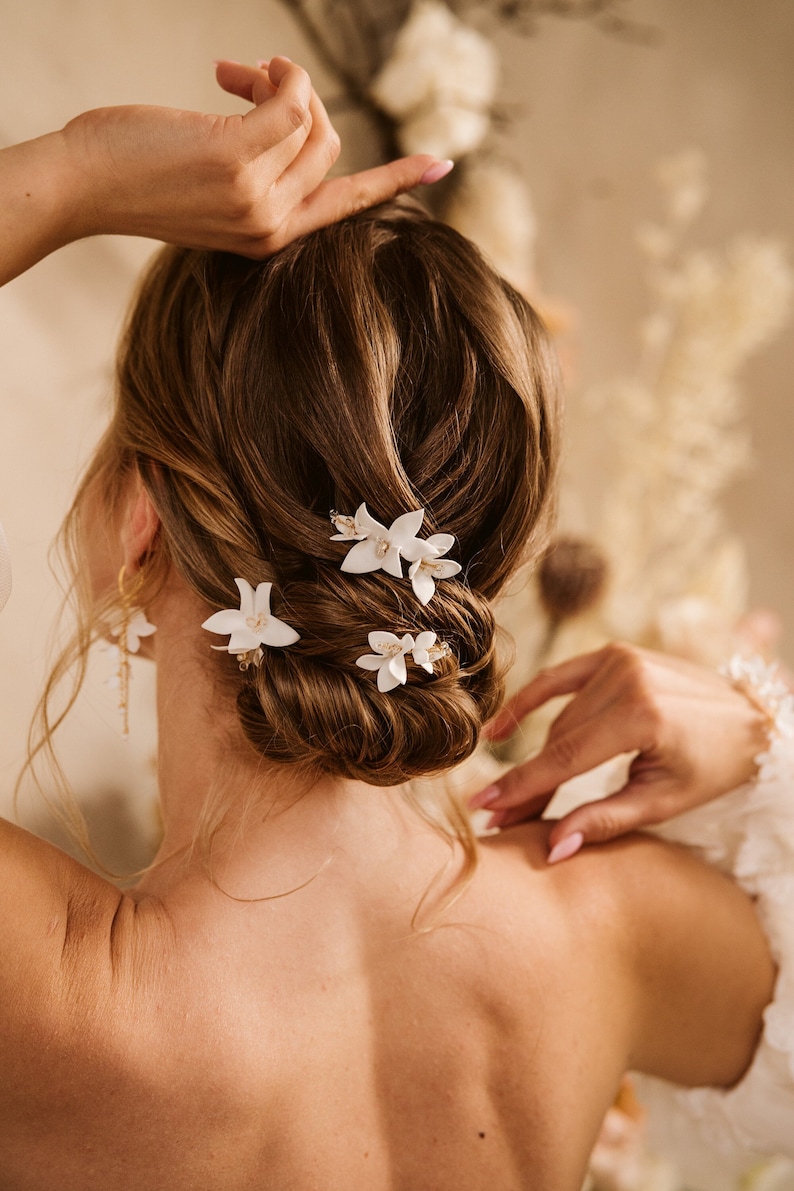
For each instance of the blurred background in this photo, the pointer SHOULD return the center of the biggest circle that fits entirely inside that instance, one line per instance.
(628, 165)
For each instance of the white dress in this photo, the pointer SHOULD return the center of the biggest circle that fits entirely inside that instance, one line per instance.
(743, 1139)
(717, 1136)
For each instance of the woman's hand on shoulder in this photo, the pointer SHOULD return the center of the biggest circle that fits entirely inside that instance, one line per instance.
(695, 737)
(243, 183)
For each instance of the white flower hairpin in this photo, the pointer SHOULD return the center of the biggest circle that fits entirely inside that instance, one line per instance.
(424, 572)
(390, 653)
(428, 650)
(250, 626)
(378, 548)
(388, 659)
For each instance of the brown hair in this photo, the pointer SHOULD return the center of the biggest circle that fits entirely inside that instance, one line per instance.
(378, 360)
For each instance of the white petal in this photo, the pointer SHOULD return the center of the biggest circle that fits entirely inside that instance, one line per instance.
(391, 563)
(421, 657)
(138, 627)
(392, 674)
(371, 527)
(415, 549)
(362, 558)
(396, 667)
(406, 527)
(262, 598)
(424, 585)
(246, 597)
(379, 640)
(441, 541)
(425, 640)
(426, 666)
(407, 642)
(226, 621)
(370, 661)
(276, 632)
(446, 568)
(242, 640)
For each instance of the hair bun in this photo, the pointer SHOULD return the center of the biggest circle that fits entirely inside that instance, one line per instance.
(312, 704)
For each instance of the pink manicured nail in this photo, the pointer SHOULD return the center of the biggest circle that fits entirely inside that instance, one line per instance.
(436, 172)
(566, 848)
(484, 798)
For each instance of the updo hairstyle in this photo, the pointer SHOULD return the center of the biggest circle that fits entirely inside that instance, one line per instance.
(379, 360)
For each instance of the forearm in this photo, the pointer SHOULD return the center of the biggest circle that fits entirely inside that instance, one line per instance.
(40, 199)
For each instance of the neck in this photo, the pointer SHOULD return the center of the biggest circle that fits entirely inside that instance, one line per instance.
(261, 817)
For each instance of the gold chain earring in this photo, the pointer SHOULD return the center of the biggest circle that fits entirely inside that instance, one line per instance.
(131, 626)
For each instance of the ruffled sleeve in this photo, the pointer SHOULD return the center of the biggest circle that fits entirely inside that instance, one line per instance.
(750, 834)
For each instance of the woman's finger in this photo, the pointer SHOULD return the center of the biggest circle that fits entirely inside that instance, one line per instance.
(280, 122)
(318, 154)
(641, 803)
(340, 197)
(563, 757)
(564, 679)
(239, 79)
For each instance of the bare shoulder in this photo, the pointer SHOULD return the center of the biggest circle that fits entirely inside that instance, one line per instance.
(50, 907)
(682, 941)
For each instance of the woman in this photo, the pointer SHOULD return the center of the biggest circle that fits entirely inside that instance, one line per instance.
(314, 986)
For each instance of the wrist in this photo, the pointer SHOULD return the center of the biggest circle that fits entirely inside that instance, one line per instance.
(40, 202)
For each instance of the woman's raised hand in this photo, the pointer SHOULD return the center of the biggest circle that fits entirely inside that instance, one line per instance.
(695, 737)
(243, 183)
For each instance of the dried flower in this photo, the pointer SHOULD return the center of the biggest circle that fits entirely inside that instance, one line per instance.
(439, 83)
(491, 205)
(677, 437)
(572, 577)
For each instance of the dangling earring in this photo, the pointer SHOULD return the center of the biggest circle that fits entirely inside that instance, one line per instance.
(128, 632)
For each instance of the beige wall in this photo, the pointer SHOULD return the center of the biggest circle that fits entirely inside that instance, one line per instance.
(597, 113)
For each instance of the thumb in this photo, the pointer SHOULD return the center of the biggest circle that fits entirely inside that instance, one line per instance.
(630, 809)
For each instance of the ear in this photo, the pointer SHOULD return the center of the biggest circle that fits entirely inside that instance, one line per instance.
(140, 526)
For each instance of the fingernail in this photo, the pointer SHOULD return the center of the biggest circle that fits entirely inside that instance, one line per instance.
(566, 848)
(436, 172)
(484, 798)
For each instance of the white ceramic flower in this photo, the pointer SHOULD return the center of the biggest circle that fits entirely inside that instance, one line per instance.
(347, 528)
(252, 625)
(428, 650)
(137, 626)
(388, 659)
(424, 572)
(382, 548)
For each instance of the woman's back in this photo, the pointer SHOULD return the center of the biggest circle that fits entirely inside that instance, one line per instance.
(320, 1040)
